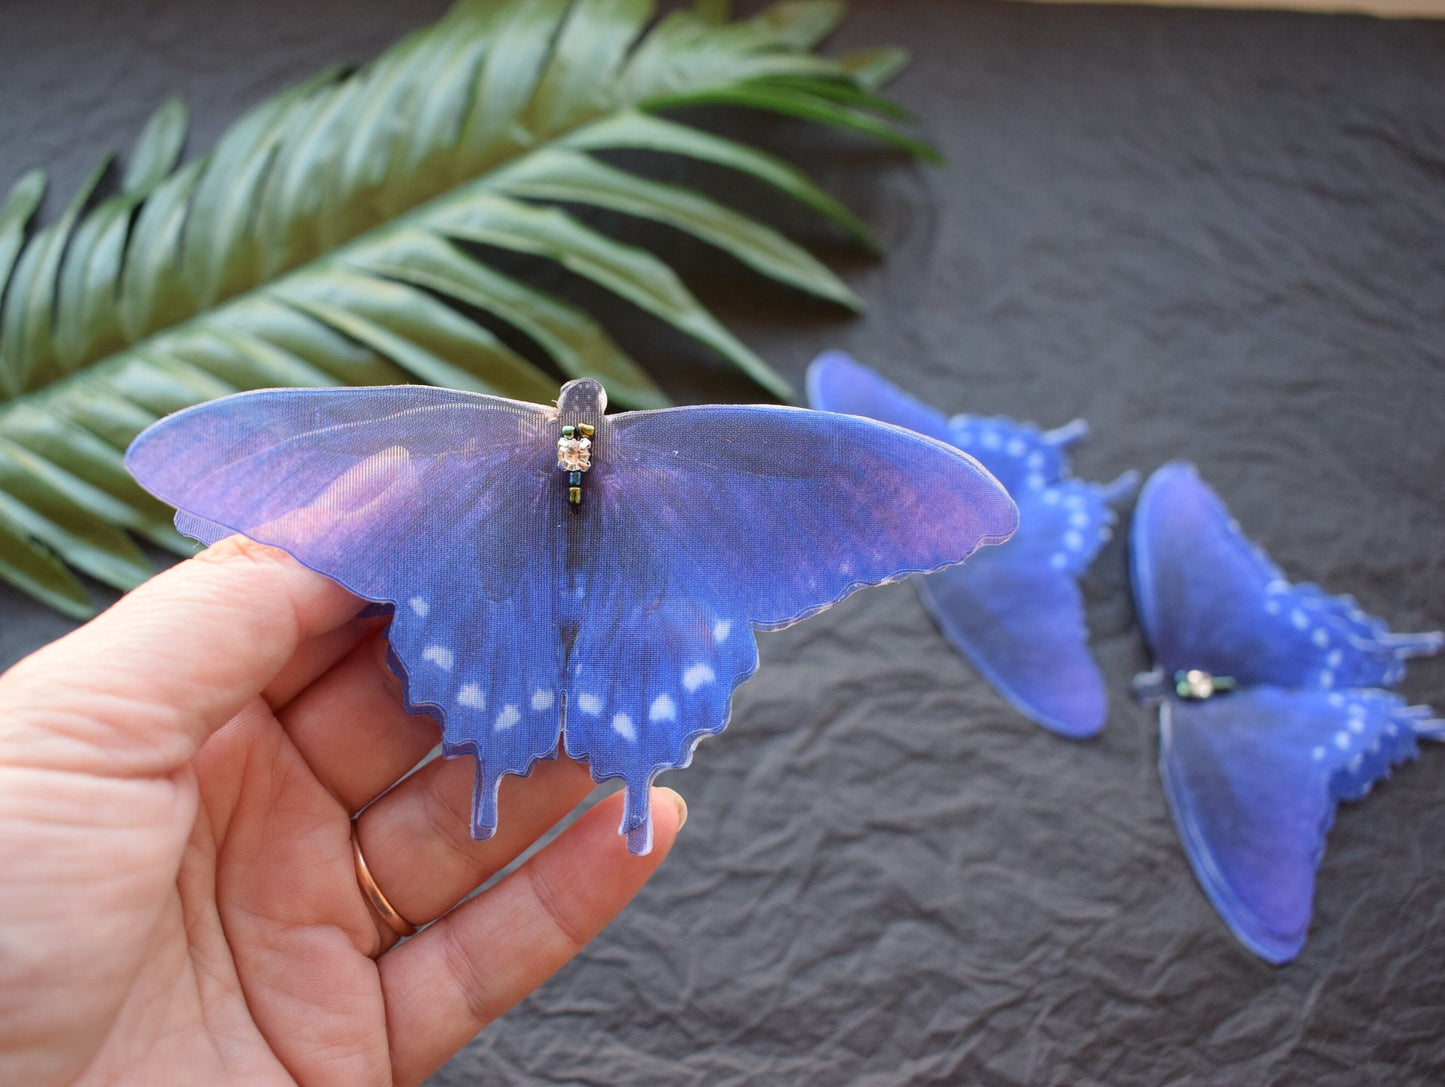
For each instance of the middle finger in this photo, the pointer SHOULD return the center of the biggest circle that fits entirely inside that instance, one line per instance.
(350, 727)
(417, 839)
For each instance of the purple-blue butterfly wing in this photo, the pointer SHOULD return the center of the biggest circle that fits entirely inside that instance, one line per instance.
(705, 523)
(429, 500)
(624, 623)
(1252, 779)
(1015, 611)
(1210, 599)
(1253, 775)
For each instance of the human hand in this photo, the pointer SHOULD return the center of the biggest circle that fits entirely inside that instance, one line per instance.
(178, 897)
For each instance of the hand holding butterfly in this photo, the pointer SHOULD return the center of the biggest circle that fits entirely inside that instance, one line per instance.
(178, 902)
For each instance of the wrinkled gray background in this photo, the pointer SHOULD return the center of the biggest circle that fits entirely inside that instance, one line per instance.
(1218, 236)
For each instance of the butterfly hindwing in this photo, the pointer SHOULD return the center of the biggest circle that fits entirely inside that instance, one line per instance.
(1015, 611)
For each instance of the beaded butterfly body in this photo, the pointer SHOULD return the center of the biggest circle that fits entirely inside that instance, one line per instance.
(601, 595)
(1015, 611)
(1275, 707)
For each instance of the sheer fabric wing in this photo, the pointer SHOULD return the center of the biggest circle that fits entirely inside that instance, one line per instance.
(1015, 611)
(1209, 599)
(1252, 779)
(709, 522)
(838, 382)
(429, 500)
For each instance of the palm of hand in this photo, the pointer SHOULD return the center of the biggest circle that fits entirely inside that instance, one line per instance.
(179, 898)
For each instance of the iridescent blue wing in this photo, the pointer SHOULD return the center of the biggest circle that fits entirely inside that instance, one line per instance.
(838, 382)
(700, 525)
(438, 503)
(1209, 599)
(1253, 778)
(1015, 611)
(1253, 775)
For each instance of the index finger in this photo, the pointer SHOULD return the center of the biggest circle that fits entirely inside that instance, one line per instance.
(138, 689)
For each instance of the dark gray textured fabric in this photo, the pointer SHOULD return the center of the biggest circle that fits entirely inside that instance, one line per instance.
(1219, 237)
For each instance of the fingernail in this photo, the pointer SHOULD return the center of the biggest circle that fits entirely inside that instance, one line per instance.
(681, 805)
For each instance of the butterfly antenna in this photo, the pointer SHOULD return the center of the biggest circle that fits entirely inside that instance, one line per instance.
(1430, 728)
(1065, 435)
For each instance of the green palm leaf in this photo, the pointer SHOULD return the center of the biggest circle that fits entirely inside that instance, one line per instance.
(336, 235)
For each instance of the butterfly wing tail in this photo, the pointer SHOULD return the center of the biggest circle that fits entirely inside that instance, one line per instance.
(1120, 488)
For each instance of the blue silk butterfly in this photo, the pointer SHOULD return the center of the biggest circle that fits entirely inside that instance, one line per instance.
(1014, 611)
(562, 576)
(1274, 707)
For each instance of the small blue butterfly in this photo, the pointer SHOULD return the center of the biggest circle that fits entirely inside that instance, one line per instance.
(557, 573)
(1015, 611)
(1274, 709)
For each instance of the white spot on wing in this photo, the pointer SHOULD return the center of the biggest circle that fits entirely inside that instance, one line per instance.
(1300, 620)
(473, 696)
(663, 708)
(1320, 637)
(1342, 740)
(623, 726)
(419, 606)
(509, 716)
(720, 631)
(439, 655)
(697, 675)
(542, 700)
(589, 704)
(1318, 754)
(1015, 447)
